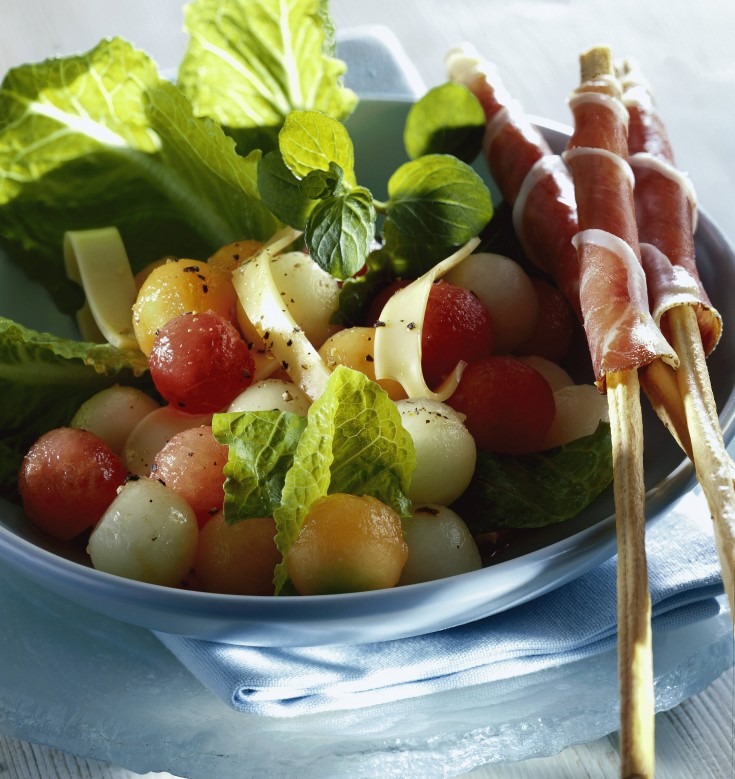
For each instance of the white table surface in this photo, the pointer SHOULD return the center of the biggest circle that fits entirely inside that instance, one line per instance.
(686, 51)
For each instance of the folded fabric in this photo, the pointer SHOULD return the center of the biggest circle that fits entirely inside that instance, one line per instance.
(575, 621)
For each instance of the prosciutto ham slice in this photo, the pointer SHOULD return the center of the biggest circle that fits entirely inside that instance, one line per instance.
(666, 212)
(621, 332)
(608, 290)
(532, 179)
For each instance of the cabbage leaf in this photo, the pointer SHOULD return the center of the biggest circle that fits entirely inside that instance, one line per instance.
(99, 138)
(248, 64)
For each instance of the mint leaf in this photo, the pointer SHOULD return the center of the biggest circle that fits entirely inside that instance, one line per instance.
(318, 184)
(44, 379)
(282, 192)
(438, 200)
(313, 141)
(248, 64)
(537, 489)
(339, 232)
(261, 448)
(448, 119)
(99, 139)
(410, 258)
(354, 442)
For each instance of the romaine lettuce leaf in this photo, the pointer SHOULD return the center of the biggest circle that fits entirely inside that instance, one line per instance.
(540, 489)
(354, 442)
(249, 63)
(43, 380)
(99, 139)
(262, 446)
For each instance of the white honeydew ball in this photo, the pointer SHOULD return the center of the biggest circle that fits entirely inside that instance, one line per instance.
(579, 410)
(506, 291)
(150, 435)
(310, 294)
(113, 413)
(272, 395)
(554, 374)
(148, 533)
(439, 544)
(445, 450)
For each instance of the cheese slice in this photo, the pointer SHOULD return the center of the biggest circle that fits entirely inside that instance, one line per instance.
(97, 260)
(398, 333)
(264, 306)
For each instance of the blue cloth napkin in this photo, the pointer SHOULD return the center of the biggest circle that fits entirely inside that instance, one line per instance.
(575, 621)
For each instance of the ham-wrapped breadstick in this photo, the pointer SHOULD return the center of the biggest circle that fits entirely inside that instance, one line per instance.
(610, 292)
(621, 332)
(666, 213)
(609, 256)
(666, 216)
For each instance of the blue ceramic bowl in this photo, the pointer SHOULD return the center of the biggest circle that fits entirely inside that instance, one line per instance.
(546, 559)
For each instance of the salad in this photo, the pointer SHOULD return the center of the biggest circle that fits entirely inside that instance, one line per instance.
(291, 387)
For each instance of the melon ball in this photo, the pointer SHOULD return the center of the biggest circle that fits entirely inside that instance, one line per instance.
(272, 395)
(148, 533)
(347, 543)
(445, 450)
(113, 413)
(439, 544)
(237, 558)
(579, 410)
(310, 294)
(152, 433)
(506, 291)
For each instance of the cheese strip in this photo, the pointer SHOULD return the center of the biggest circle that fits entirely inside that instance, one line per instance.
(398, 333)
(284, 338)
(96, 260)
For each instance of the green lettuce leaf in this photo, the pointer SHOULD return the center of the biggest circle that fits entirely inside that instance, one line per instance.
(261, 450)
(248, 64)
(537, 489)
(44, 379)
(99, 139)
(355, 443)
